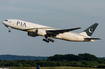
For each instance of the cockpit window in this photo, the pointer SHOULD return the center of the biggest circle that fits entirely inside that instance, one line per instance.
(6, 20)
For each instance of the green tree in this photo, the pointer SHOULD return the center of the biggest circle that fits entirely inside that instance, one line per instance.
(87, 57)
(19, 65)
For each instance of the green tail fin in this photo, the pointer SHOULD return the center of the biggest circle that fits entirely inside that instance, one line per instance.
(89, 31)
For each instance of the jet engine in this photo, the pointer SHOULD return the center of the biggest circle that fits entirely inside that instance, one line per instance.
(38, 32)
(32, 34)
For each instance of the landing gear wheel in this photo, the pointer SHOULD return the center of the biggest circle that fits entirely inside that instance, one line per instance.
(52, 41)
(9, 31)
(49, 39)
(46, 40)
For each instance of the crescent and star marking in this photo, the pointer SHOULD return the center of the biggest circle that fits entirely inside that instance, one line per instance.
(90, 30)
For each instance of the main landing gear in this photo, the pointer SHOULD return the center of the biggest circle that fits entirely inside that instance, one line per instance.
(48, 40)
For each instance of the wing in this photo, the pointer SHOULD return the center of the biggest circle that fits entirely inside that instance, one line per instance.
(56, 32)
(32, 29)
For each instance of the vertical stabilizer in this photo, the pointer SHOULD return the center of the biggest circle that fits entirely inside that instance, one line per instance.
(89, 31)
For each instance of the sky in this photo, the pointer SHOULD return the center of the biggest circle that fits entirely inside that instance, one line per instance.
(62, 14)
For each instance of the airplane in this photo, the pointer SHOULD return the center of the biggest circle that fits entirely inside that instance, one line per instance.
(49, 33)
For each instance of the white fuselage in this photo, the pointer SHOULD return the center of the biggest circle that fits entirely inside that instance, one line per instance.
(31, 27)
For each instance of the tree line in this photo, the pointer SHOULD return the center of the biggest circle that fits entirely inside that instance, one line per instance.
(80, 60)
(17, 57)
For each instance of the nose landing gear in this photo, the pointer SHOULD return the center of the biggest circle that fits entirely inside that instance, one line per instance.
(9, 29)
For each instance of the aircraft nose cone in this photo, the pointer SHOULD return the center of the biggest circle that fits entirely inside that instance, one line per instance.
(3, 22)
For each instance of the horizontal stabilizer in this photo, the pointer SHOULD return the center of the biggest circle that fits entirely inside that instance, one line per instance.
(92, 38)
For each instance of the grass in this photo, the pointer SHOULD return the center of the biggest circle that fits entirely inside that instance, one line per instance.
(64, 67)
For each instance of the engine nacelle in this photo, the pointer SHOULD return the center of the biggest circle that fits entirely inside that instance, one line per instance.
(32, 34)
(38, 32)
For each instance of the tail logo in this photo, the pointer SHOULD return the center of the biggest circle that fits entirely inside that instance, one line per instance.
(90, 30)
